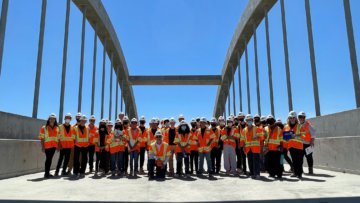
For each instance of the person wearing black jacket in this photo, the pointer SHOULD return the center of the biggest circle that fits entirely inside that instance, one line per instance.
(102, 157)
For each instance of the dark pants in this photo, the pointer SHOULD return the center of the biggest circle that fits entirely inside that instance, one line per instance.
(216, 159)
(91, 149)
(117, 161)
(254, 163)
(142, 156)
(97, 162)
(49, 153)
(179, 163)
(297, 156)
(126, 160)
(160, 172)
(194, 160)
(273, 163)
(80, 168)
(104, 160)
(64, 156)
(309, 158)
(241, 159)
(287, 158)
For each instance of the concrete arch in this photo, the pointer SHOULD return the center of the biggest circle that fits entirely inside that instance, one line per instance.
(252, 16)
(98, 18)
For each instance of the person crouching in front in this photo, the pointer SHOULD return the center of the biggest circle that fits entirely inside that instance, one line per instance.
(159, 154)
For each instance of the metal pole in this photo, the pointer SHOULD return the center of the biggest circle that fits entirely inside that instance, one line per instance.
(228, 99)
(240, 91)
(116, 93)
(352, 49)
(287, 66)
(233, 88)
(121, 96)
(225, 106)
(257, 72)
(4, 10)
(269, 64)
(247, 78)
(94, 72)
(39, 59)
(82, 59)
(111, 81)
(103, 81)
(63, 75)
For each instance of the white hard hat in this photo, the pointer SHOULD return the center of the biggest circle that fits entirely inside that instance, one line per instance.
(229, 118)
(249, 117)
(301, 113)
(153, 120)
(181, 116)
(52, 115)
(134, 120)
(172, 120)
(110, 123)
(256, 116)
(126, 118)
(68, 115)
(83, 118)
(92, 117)
(157, 120)
(292, 114)
(278, 120)
(158, 134)
(213, 120)
(142, 118)
(103, 120)
(183, 122)
(241, 114)
(221, 118)
(79, 114)
(270, 117)
(121, 113)
(117, 121)
(203, 119)
(193, 120)
(262, 118)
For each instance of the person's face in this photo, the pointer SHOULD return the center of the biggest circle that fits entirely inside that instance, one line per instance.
(159, 139)
(202, 124)
(241, 120)
(172, 124)
(92, 121)
(180, 119)
(77, 118)
(52, 121)
(230, 123)
(67, 120)
(133, 125)
(82, 122)
(109, 128)
(301, 119)
(121, 116)
(166, 123)
(257, 121)
(292, 120)
(142, 123)
(213, 124)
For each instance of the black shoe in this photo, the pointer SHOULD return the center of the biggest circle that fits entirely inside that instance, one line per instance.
(151, 178)
(47, 176)
(293, 176)
(311, 171)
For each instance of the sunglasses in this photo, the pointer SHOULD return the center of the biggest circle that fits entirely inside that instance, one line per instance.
(301, 117)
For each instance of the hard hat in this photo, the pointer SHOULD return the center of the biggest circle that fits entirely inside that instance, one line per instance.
(79, 114)
(68, 115)
(256, 116)
(117, 121)
(134, 120)
(157, 120)
(292, 114)
(249, 117)
(193, 120)
(232, 116)
(221, 118)
(52, 115)
(183, 122)
(103, 120)
(198, 119)
(172, 120)
(301, 113)
(110, 123)
(181, 116)
(213, 120)
(165, 119)
(203, 119)
(270, 117)
(83, 118)
(229, 118)
(262, 118)
(142, 118)
(153, 120)
(92, 117)
(121, 113)
(278, 120)
(126, 118)
(158, 134)
(241, 114)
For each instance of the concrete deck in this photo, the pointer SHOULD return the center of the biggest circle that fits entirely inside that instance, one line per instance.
(326, 186)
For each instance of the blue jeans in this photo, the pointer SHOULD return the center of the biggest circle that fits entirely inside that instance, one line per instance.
(206, 155)
(117, 161)
(134, 157)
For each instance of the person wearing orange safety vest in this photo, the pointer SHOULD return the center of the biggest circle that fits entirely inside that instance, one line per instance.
(159, 154)
(49, 136)
(216, 150)
(295, 144)
(240, 144)
(254, 137)
(126, 124)
(169, 134)
(194, 148)
(205, 139)
(134, 136)
(82, 134)
(116, 141)
(92, 148)
(309, 139)
(66, 140)
(229, 138)
(273, 148)
(151, 133)
(143, 143)
(71, 162)
(182, 141)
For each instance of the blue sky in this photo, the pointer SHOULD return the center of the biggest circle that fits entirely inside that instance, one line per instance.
(161, 37)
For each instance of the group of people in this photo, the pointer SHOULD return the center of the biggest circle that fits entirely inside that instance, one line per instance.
(263, 141)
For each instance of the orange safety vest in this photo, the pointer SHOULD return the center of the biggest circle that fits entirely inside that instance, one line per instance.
(240, 136)
(193, 143)
(182, 140)
(165, 133)
(296, 142)
(217, 136)
(81, 139)
(115, 146)
(66, 138)
(150, 138)
(133, 137)
(50, 136)
(205, 146)
(227, 141)
(161, 153)
(92, 132)
(305, 128)
(143, 138)
(274, 138)
(250, 142)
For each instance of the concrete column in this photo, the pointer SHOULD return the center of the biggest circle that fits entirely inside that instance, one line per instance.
(116, 93)
(39, 59)
(257, 72)
(240, 88)
(269, 64)
(312, 58)
(94, 72)
(4, 10)
(286, 53)
(103, 80)
(82, 60)
(233, 87)
(352, 50)
(247, 78)
(63, 75)
(111, 84)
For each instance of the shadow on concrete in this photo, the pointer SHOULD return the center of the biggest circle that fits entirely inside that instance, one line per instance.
(320, 175)
(313, 200)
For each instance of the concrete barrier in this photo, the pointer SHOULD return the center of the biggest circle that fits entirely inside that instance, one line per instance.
(20, 157)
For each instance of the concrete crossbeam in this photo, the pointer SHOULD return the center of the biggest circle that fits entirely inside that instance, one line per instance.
(176, 80)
